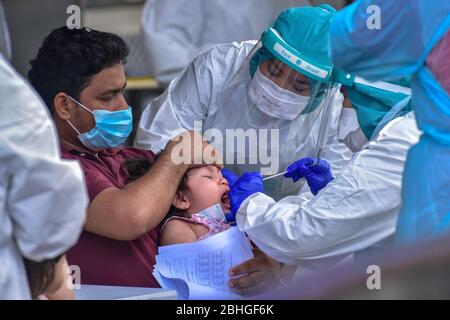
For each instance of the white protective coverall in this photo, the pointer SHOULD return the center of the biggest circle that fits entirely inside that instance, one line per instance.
(43, 199)
(175, 31)
(358, 209)
(200, 94)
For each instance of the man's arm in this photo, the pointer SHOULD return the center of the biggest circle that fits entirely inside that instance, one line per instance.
(128, 213)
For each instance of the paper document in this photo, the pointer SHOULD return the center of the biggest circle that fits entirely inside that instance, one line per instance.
(199, 270)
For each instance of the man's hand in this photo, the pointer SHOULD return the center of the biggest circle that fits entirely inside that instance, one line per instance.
(191, 150)
(255, 275)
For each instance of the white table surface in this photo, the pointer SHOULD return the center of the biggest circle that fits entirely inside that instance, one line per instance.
(94, 292)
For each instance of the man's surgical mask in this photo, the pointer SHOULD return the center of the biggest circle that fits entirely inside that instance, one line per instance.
(273, 100)
(111, 130)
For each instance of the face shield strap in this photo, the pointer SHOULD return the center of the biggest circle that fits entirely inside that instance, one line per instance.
(383, 85)
(342, 77)
(272, 40)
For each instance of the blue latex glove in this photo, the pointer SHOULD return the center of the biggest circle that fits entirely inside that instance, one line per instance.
(248, 184)
(230, 176)
(317, 176)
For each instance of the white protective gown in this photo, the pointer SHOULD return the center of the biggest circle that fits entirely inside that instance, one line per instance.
(199, 94)
(175, 31)
(42, 198)
(349, 131)
(358, 209)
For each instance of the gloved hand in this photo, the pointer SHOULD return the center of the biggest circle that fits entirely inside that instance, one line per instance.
(317, 176)
(248, 184)
(230, 176)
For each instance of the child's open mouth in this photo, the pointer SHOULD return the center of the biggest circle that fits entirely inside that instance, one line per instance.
(225, 200)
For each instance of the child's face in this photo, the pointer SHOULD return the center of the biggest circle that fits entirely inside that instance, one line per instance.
(206, 187)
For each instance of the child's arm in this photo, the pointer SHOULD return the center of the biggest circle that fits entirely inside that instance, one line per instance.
(177, 231)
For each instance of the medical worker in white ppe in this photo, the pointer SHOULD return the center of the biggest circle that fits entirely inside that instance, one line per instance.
(358, 209)
(414, 40)
(284, 82)
(175, 31)
(42, 198)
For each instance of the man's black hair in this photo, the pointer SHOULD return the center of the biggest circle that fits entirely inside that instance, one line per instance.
(69, 58)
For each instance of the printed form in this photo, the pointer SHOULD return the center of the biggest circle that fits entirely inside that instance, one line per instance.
(199, 270)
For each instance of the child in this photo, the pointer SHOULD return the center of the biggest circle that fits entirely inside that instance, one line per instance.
(189, 221)
(200, 189)
(48, 279)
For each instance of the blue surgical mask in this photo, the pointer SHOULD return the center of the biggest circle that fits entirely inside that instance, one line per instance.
(111, 129)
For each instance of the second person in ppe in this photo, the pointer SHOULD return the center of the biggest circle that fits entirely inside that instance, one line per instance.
(368, 106)
(283, 82)
(357, 210)
(409, 43)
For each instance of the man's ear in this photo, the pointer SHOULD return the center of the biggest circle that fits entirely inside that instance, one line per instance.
(63, 106)
(180, 201)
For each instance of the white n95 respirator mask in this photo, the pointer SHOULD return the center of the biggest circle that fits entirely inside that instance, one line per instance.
(273, 100)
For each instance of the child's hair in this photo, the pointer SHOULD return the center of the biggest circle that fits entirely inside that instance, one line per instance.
(40, 274)
(137, 167)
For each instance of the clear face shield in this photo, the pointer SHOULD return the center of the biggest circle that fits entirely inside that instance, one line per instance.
(281, 85)
(284, 96)
(283, 114)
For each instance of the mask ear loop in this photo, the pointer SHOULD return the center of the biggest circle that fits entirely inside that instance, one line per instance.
(81, 105)
(78, 103)
(73, 127)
